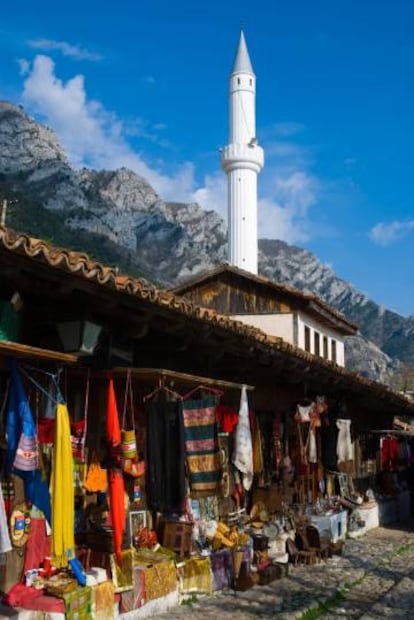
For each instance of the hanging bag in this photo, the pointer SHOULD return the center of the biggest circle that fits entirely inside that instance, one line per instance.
(27, 452)
(128, 438)
(130, 463)
(79, 430)
(96, 478)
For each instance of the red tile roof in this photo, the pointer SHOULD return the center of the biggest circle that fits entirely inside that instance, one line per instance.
(80, 265)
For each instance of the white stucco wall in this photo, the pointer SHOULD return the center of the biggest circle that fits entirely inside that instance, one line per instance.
(281, 325)
(291, 327)
(304, 320)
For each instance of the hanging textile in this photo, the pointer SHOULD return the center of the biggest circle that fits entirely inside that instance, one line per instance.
(19, 416)
(63, 503)
(38, 544)
(329, 440)
(313, 453)
(389, 452)
(5, 544)
(115, 477)
(257, 447)
(277, 432)
(128, 437)
(201, 445)
(243, 449)
(165, 481)
(344, 448)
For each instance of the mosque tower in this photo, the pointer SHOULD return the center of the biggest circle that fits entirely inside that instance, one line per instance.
(242, 160)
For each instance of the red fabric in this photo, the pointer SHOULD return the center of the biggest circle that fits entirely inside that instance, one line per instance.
(46, 430)
(115, 477)
(30, 598)
(227, 418)
(389, 452)
(113, 429)
(77, 428)
(38, 545)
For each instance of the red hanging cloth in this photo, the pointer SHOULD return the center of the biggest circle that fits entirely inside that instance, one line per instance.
(115, 477)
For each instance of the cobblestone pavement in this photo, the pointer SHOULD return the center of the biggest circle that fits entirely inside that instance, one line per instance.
(374, 578)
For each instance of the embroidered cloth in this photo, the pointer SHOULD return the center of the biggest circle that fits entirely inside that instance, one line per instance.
(195, 576)
(243, 448)
(201, 445)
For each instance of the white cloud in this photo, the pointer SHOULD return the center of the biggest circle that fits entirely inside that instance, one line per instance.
(92, 136)
(95, 137)
(24, 66)
(282, 130)
(213, 195)
(65, 48)
(385, 234)
(284, 213)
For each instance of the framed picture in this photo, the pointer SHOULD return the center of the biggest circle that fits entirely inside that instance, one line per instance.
(137, 521)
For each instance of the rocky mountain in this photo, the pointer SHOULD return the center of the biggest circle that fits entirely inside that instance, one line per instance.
(118, 218)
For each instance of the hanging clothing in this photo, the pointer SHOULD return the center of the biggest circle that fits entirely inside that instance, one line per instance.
(257, 446)
(5, 544)
(226, 418)
(165, 481)
(115, 477)
(329, 440)
(243, 448)
(277, 432)
(313, 453)
(201, 445)
(389, 452)
(63, 501)
(38, 544)
(344, 447)
(19, 416)
(264, 421)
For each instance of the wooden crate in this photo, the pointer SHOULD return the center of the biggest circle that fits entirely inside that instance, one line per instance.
(177, 536)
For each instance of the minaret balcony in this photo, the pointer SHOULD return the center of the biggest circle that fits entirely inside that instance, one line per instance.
(250, 156)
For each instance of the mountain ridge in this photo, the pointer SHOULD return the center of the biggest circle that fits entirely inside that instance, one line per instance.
(121, 219)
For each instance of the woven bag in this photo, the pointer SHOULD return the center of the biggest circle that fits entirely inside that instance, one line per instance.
(27, 455)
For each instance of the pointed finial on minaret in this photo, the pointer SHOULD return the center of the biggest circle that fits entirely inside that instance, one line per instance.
(242, 62)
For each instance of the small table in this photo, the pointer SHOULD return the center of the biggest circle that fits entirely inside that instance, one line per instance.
(334, 525)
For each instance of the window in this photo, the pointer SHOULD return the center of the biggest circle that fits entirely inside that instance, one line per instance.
(325, 348)
(307, 338)
(316, 344)
(333, 351)
(238, 80)
(251, 81)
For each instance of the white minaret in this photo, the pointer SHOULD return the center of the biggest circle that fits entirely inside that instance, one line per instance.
(242, 160)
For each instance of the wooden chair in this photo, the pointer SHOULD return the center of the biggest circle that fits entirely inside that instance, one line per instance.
(303, 544)
(299, 556)
(323, 547)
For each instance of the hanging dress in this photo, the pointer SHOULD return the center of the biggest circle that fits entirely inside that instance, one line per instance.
(243, 448)
(165, 470)
(344, 447)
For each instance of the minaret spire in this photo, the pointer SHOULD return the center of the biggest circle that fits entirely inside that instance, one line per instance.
(242, 160)
(242, 62)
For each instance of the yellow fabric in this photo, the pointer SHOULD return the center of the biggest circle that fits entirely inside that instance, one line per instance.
(159, 580)
(62, 490)
(122, 573)
(103, 601)
(257, 449)
(195, 576)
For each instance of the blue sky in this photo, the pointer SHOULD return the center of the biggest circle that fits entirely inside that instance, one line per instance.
(144, 84)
